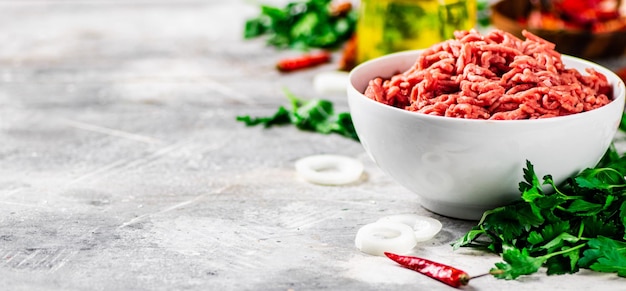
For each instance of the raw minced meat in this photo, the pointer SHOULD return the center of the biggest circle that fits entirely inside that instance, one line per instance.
(492, 76)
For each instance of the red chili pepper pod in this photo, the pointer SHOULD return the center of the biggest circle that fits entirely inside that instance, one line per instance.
(304, 61)
(444, 273)
(340, 8)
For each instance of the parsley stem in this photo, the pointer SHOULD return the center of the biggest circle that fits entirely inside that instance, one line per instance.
(491, 272)
(550, 255)
(581, 229)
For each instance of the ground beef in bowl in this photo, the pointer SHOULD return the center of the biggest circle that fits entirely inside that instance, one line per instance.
(493, 76)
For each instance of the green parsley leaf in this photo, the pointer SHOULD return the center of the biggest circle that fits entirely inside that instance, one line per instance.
(513, 219)
(471, 237)
(600, 178)
(583, 206)
(281, 116)
(302, 25)
(580, 223)
(606, 255)
(535, 238)
(530, 187)
(315, 115)
(484, 12)
(516, 263)
(559, 241)
(622, 216)
(595, 227)
(565, 264)
(552, 231)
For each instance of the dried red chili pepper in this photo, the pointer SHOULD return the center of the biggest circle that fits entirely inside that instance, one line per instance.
(304, 61)
(444, 273)
(340, 8)
(348, 57)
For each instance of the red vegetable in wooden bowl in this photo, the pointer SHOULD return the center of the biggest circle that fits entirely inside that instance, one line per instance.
(589, 29)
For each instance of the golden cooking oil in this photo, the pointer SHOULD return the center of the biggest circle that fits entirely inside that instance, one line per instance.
(387, 26)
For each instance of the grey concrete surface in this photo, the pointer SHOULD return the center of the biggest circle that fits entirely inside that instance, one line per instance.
(122, 166)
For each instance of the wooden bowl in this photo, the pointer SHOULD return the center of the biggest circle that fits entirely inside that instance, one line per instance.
(584, 44)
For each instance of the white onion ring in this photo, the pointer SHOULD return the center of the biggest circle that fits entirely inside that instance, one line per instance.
(384, 236)
(329, 169)
(330, 82)
(425, 227)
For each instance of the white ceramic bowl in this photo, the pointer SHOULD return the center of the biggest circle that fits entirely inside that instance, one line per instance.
(461, 167)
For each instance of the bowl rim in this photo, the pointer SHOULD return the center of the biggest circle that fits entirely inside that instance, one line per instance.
(620, 99)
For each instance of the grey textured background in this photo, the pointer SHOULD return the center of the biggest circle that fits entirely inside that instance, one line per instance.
(122, 166)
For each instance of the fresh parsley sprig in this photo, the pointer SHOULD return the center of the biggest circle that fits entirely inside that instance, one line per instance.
(302, 25)
(578, 224)
(315, 115)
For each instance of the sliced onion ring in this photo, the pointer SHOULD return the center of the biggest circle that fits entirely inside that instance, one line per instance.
(330, 82)
(425, 227)
(329, 169)
(379, 237)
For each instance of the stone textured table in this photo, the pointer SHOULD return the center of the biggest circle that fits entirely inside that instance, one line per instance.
(122, 166)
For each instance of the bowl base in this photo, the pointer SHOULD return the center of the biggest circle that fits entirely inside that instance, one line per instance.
(453, 210)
